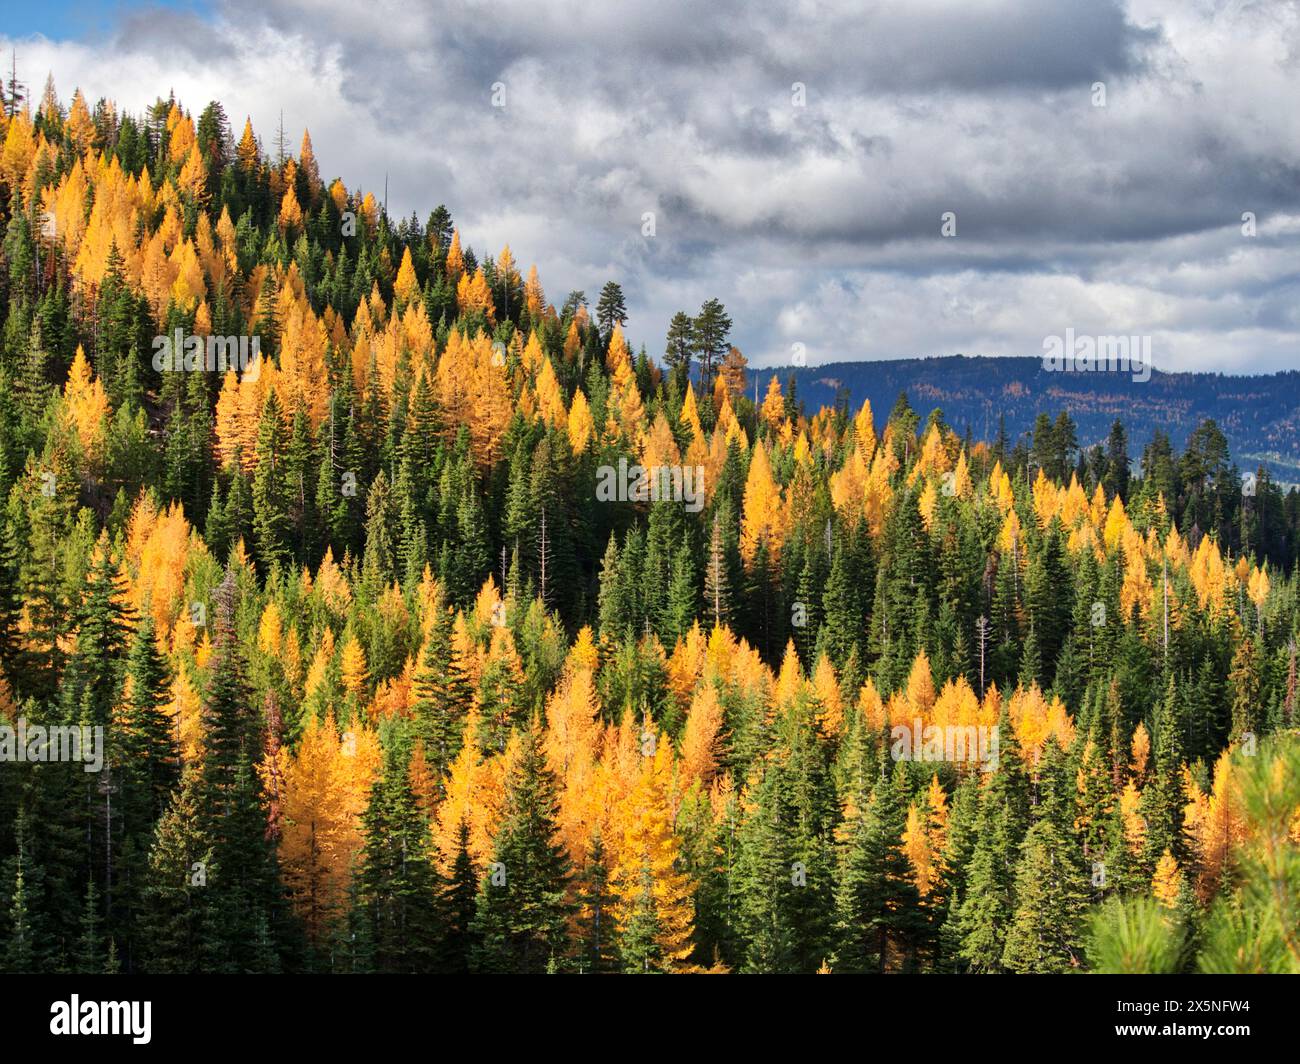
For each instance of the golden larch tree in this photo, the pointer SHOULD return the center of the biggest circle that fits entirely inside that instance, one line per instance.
(648, 865)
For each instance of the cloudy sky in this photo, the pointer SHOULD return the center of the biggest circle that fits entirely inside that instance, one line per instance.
(816, 220)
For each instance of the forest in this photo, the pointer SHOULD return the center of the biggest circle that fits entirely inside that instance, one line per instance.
(1004, 396)
(386, 684)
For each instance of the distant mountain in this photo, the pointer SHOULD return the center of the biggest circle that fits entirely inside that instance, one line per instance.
(1259, 415)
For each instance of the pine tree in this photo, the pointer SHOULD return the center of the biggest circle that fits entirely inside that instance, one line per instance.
(178, 922)
(20, 950)
(717, 585)
(595, 953)
(145, 742)
(785, 869)
(144, 767)
(1045, 933)
(709, 332)
(91, 680)
(271, 525)
(397, 883)
(765, 877)
(841, 608)
(232, 823)
(677, 355)
(457, 908)
(611, 309)
(91, 952)
(680, 605)
(442, 695)
(1163, 798)
(522, 907)
(877, 905)
(988, 899)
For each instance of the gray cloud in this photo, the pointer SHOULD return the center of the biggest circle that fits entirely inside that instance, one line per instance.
(818, 224)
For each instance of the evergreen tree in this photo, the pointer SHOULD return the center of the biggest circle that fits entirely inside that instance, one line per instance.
(709, 332)
(398, 884)
(595, 952)
(179, 922)
(522, 907)
(232, 822)
(271, 525)
(611, 309)
(717, 582)
(458, 905)
(1045, 933)
(877, 904)
(442, 694)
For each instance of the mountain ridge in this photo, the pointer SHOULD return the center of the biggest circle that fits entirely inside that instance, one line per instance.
(1260, 415)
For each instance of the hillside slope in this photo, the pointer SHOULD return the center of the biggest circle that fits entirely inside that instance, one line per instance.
(1259, 415)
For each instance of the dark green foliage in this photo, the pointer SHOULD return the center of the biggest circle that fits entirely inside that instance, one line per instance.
(520, 924)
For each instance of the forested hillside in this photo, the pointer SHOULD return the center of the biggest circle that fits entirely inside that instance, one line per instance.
(398, 670)
(1260, 415)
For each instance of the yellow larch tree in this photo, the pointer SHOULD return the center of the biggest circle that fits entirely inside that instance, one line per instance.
(87, 408)
(324, 790)
(1140, 752)
(310, 170)
(762, 513)
(406, 287)
(353, 667)
(534, 297)
(475, 790)
(369, 212)
(925, 838)
(691, 415)
(232, 428)
(247, 152)
(962, 485)
(927, 504)
(318, 671)
(1214, 825)
(830, 699)
(1134, 825)
(455, 263)
(158, 549)
(184, 710)
(290, 217)
(773, 408)
(920, 687)
(1167, 882)
(790, 679)
(571, 744)
(80, 127)
(269, 632)
(491, 403)
(580, 426)
(473, 294)
(701, 738)
(549, 397)
(647, 874)
(192, 181)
